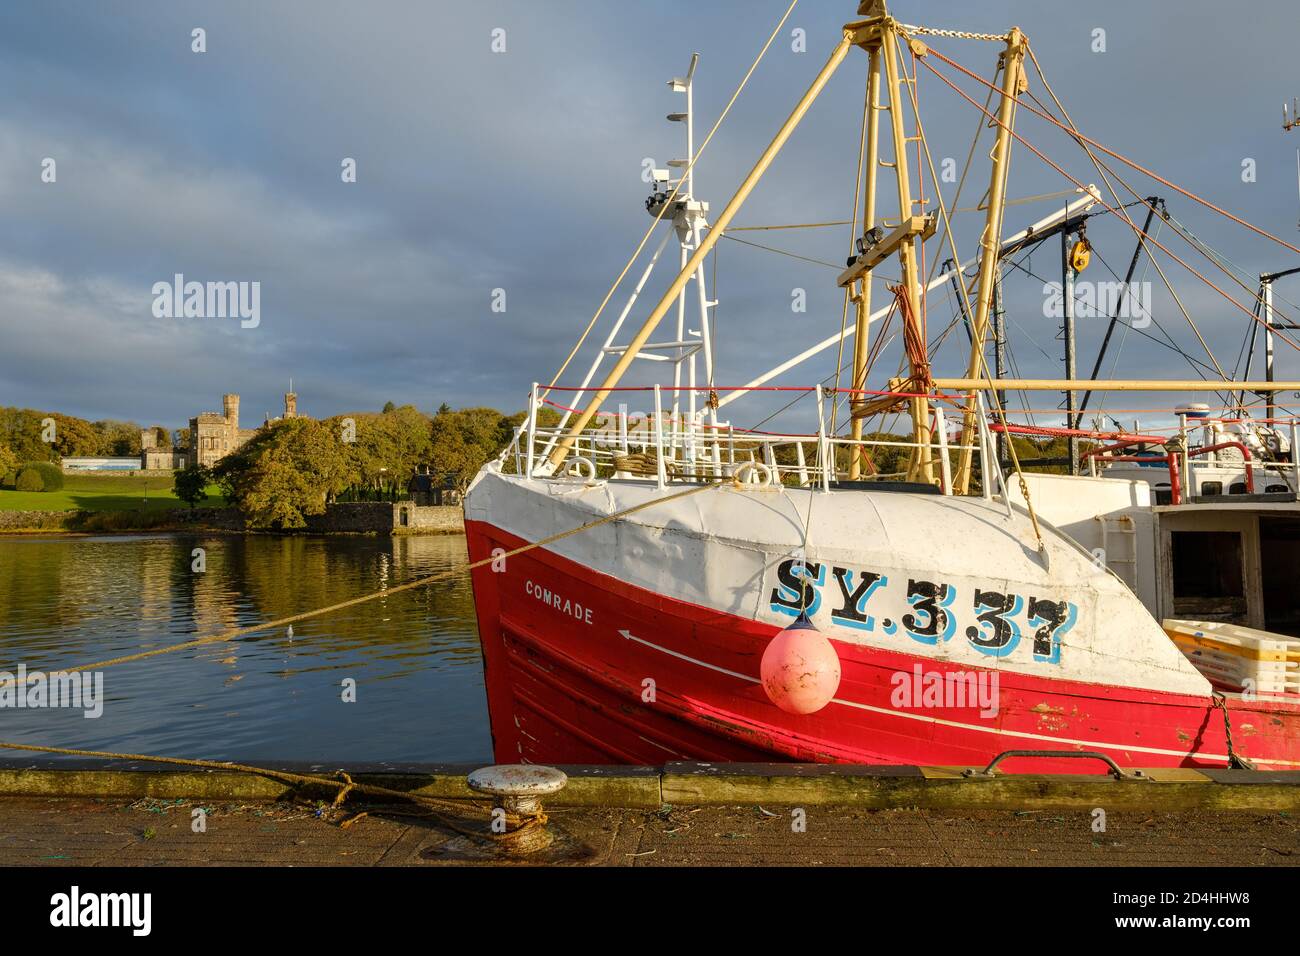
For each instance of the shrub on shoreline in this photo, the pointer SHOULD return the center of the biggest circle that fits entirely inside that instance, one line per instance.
(38, 476)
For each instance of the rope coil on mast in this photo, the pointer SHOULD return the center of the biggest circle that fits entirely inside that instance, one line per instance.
(983, 365)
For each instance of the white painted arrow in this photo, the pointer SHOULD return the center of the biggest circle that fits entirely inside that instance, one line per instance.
(981, 728)
(713, 667)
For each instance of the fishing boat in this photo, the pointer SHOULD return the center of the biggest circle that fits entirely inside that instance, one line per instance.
(671, 585)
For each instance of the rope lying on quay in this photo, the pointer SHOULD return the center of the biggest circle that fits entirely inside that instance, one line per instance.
(341, 781)
(518, 824)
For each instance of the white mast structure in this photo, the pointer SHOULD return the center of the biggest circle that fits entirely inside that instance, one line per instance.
(688, 217)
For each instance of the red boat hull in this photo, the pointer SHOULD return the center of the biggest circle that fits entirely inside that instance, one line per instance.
(582, 668)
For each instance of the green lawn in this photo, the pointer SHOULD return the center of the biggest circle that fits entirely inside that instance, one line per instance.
(103, 493)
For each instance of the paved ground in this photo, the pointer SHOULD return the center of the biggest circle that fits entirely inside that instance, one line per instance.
(66, 831)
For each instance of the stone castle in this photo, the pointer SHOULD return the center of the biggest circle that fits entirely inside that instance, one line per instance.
(212, 436)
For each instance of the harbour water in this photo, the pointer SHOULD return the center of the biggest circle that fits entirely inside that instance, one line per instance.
(414, 656)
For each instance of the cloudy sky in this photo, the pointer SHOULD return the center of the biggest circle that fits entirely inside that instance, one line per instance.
(521, 170)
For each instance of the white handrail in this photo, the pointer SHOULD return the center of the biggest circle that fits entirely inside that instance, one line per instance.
(945, 467)
(532, 428)
(660, 471)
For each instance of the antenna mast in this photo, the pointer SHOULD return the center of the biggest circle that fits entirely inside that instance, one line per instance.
(672, 200)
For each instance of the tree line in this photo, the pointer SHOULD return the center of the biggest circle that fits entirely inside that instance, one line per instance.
(294, 467)
(33, 435)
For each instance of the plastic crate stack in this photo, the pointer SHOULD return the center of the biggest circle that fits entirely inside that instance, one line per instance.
(1239, 658)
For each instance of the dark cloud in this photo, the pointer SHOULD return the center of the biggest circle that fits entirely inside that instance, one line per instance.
(521, 171)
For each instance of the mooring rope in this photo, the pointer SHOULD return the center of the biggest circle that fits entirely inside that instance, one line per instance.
(237, 632)
(345, 784)
(1235, 760)
(342, 781)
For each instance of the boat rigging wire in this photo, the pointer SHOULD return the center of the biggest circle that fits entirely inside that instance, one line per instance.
(1213, 258)
(1134, 226)
(1163, 211)
(782, 252)
(796, 225)
(1128, 327)
(1059, 194)
(669, 201)
(1211, 253)
(983, 362)
(1167, 342)
(1074, 132)
(853, 235)
(1102, 171)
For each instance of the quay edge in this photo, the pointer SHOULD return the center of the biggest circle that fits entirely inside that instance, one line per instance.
(702, 784)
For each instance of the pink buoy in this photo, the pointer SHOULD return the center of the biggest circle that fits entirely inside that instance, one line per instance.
(800, 669)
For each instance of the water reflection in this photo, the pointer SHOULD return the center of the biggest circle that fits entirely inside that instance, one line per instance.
(414, 655)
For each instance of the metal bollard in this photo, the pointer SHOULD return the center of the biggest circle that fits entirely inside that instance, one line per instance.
(518, 789)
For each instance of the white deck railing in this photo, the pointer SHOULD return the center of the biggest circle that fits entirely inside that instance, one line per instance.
(665, 449)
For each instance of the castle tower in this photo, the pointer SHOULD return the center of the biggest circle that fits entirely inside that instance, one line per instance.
(290, 405)
(148, 439)
(230, 408)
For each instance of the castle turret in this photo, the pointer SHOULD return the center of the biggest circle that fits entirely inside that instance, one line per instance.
(230, 408)
(290, 405)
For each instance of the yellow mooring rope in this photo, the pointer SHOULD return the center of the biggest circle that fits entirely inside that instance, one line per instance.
(236, 632)
(343, 782)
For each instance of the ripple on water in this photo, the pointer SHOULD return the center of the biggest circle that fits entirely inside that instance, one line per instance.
(66, 601)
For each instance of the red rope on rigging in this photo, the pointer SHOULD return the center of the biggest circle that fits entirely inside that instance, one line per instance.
(1075, 133)
(1154, 241)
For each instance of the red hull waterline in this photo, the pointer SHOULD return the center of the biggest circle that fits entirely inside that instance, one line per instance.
(604, 672)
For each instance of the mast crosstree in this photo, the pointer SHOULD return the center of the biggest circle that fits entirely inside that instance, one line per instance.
(887, 236)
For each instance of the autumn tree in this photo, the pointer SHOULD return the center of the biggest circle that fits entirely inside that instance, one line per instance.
(465, 440)
(8, 463)
(389, 447)
(117, 439)
(24, 431)
(190, 484)
(287, 471)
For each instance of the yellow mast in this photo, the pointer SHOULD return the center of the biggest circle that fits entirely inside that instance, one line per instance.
(879, 35)
(920, 468)
(565, 444)
(877, 32)
(991, 241)
(862, 297)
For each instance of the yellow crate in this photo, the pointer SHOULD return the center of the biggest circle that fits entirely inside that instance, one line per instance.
(1234, 639)
(1231, 655)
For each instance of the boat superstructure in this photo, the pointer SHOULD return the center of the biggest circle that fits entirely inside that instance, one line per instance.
(640, 566)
